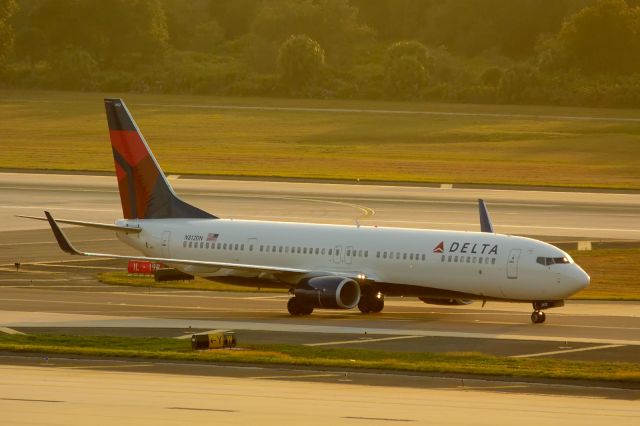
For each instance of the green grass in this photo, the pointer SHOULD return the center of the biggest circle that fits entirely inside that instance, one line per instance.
(454, 363)
(123, 278)
(67, 131)
(615, 273)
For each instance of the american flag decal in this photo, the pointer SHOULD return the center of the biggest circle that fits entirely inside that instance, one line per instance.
(212, 237)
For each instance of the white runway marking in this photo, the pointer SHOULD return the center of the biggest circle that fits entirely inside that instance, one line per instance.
(566, 351)
(8, 330)
(346, 342)
(401, 112)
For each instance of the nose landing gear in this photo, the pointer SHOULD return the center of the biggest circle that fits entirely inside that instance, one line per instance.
(538, 317)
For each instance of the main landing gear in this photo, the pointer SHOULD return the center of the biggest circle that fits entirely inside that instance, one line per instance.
(371, 301)
(297, 307)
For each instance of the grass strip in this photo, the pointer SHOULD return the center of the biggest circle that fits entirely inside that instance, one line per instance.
(322, 142)
(614, 273)
(424, 362)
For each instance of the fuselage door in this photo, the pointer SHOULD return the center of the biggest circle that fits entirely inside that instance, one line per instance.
(348, 254)
(512, 263)
(337, 254)
(164, 244)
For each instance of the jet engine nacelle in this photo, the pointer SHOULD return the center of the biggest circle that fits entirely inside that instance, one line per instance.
(448, 302)
(329, 292)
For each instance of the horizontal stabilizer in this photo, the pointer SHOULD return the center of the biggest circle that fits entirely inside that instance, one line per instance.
(104, 226)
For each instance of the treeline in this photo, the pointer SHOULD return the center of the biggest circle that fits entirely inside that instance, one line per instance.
(574, 52)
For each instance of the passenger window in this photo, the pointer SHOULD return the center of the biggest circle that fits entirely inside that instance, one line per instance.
(322, 252)
(273, 249)
(348, 252)
(480, 260)
(493, 261)
(404, 256)
(378, 255)
(206, 245)
(317, 251)
(304, 250)
(449, 259)
(298, 250)
(251, 247)
(366, 253)
(280, 249)
(219, 246)
(384, 255)
(184, 244)
(201, 245)
(242, 247)
(235, 247)
(286, 249)
(190, 244)
(330, 252)
(424, 257)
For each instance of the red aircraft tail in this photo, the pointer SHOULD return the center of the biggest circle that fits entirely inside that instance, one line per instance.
(145, 192)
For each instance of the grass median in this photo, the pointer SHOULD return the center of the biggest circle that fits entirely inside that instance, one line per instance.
(453, 363)
(291, 138)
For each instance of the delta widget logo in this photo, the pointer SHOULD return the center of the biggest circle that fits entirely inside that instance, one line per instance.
(439, 248)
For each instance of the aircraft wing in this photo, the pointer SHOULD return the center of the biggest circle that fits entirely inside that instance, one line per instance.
(66, 246)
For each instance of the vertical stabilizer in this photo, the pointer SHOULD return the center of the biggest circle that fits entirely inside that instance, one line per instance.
(485, 221)
(145, 192)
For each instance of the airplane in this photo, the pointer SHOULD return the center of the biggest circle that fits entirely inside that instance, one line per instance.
(324, 266)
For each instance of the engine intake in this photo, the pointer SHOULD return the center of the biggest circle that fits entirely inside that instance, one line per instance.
(329, 292)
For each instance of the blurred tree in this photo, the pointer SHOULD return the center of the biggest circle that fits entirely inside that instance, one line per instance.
(234, 16)
(192, 25)
(7, 9)
(603, 37)
(73, 69)
(333, 23)
(407, 69)
(113, 31)
(301, 60)
(31, 44)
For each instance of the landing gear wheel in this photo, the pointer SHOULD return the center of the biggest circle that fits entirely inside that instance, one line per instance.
(364, 305)
(296, 307)
(538, 317)
(378, 305)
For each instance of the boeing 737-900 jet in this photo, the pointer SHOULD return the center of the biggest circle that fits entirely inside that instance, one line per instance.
(324, 266)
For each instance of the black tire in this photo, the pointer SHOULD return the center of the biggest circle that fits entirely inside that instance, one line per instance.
(364, 305)
(293, 306)
(377, 305)
(306, 310)
(538, 317)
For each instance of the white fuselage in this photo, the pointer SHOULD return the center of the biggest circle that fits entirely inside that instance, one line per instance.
(476, 264)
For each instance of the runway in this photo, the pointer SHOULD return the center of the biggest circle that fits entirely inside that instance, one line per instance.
(75, 395)
(55, 293)
(555, 215)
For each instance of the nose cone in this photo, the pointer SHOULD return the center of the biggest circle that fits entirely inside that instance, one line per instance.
(576, 279)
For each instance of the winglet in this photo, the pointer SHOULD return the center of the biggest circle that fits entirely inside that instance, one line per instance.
(63, 242)
(485, 220)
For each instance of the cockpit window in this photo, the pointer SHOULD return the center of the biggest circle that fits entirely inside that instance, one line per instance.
(552, 260)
